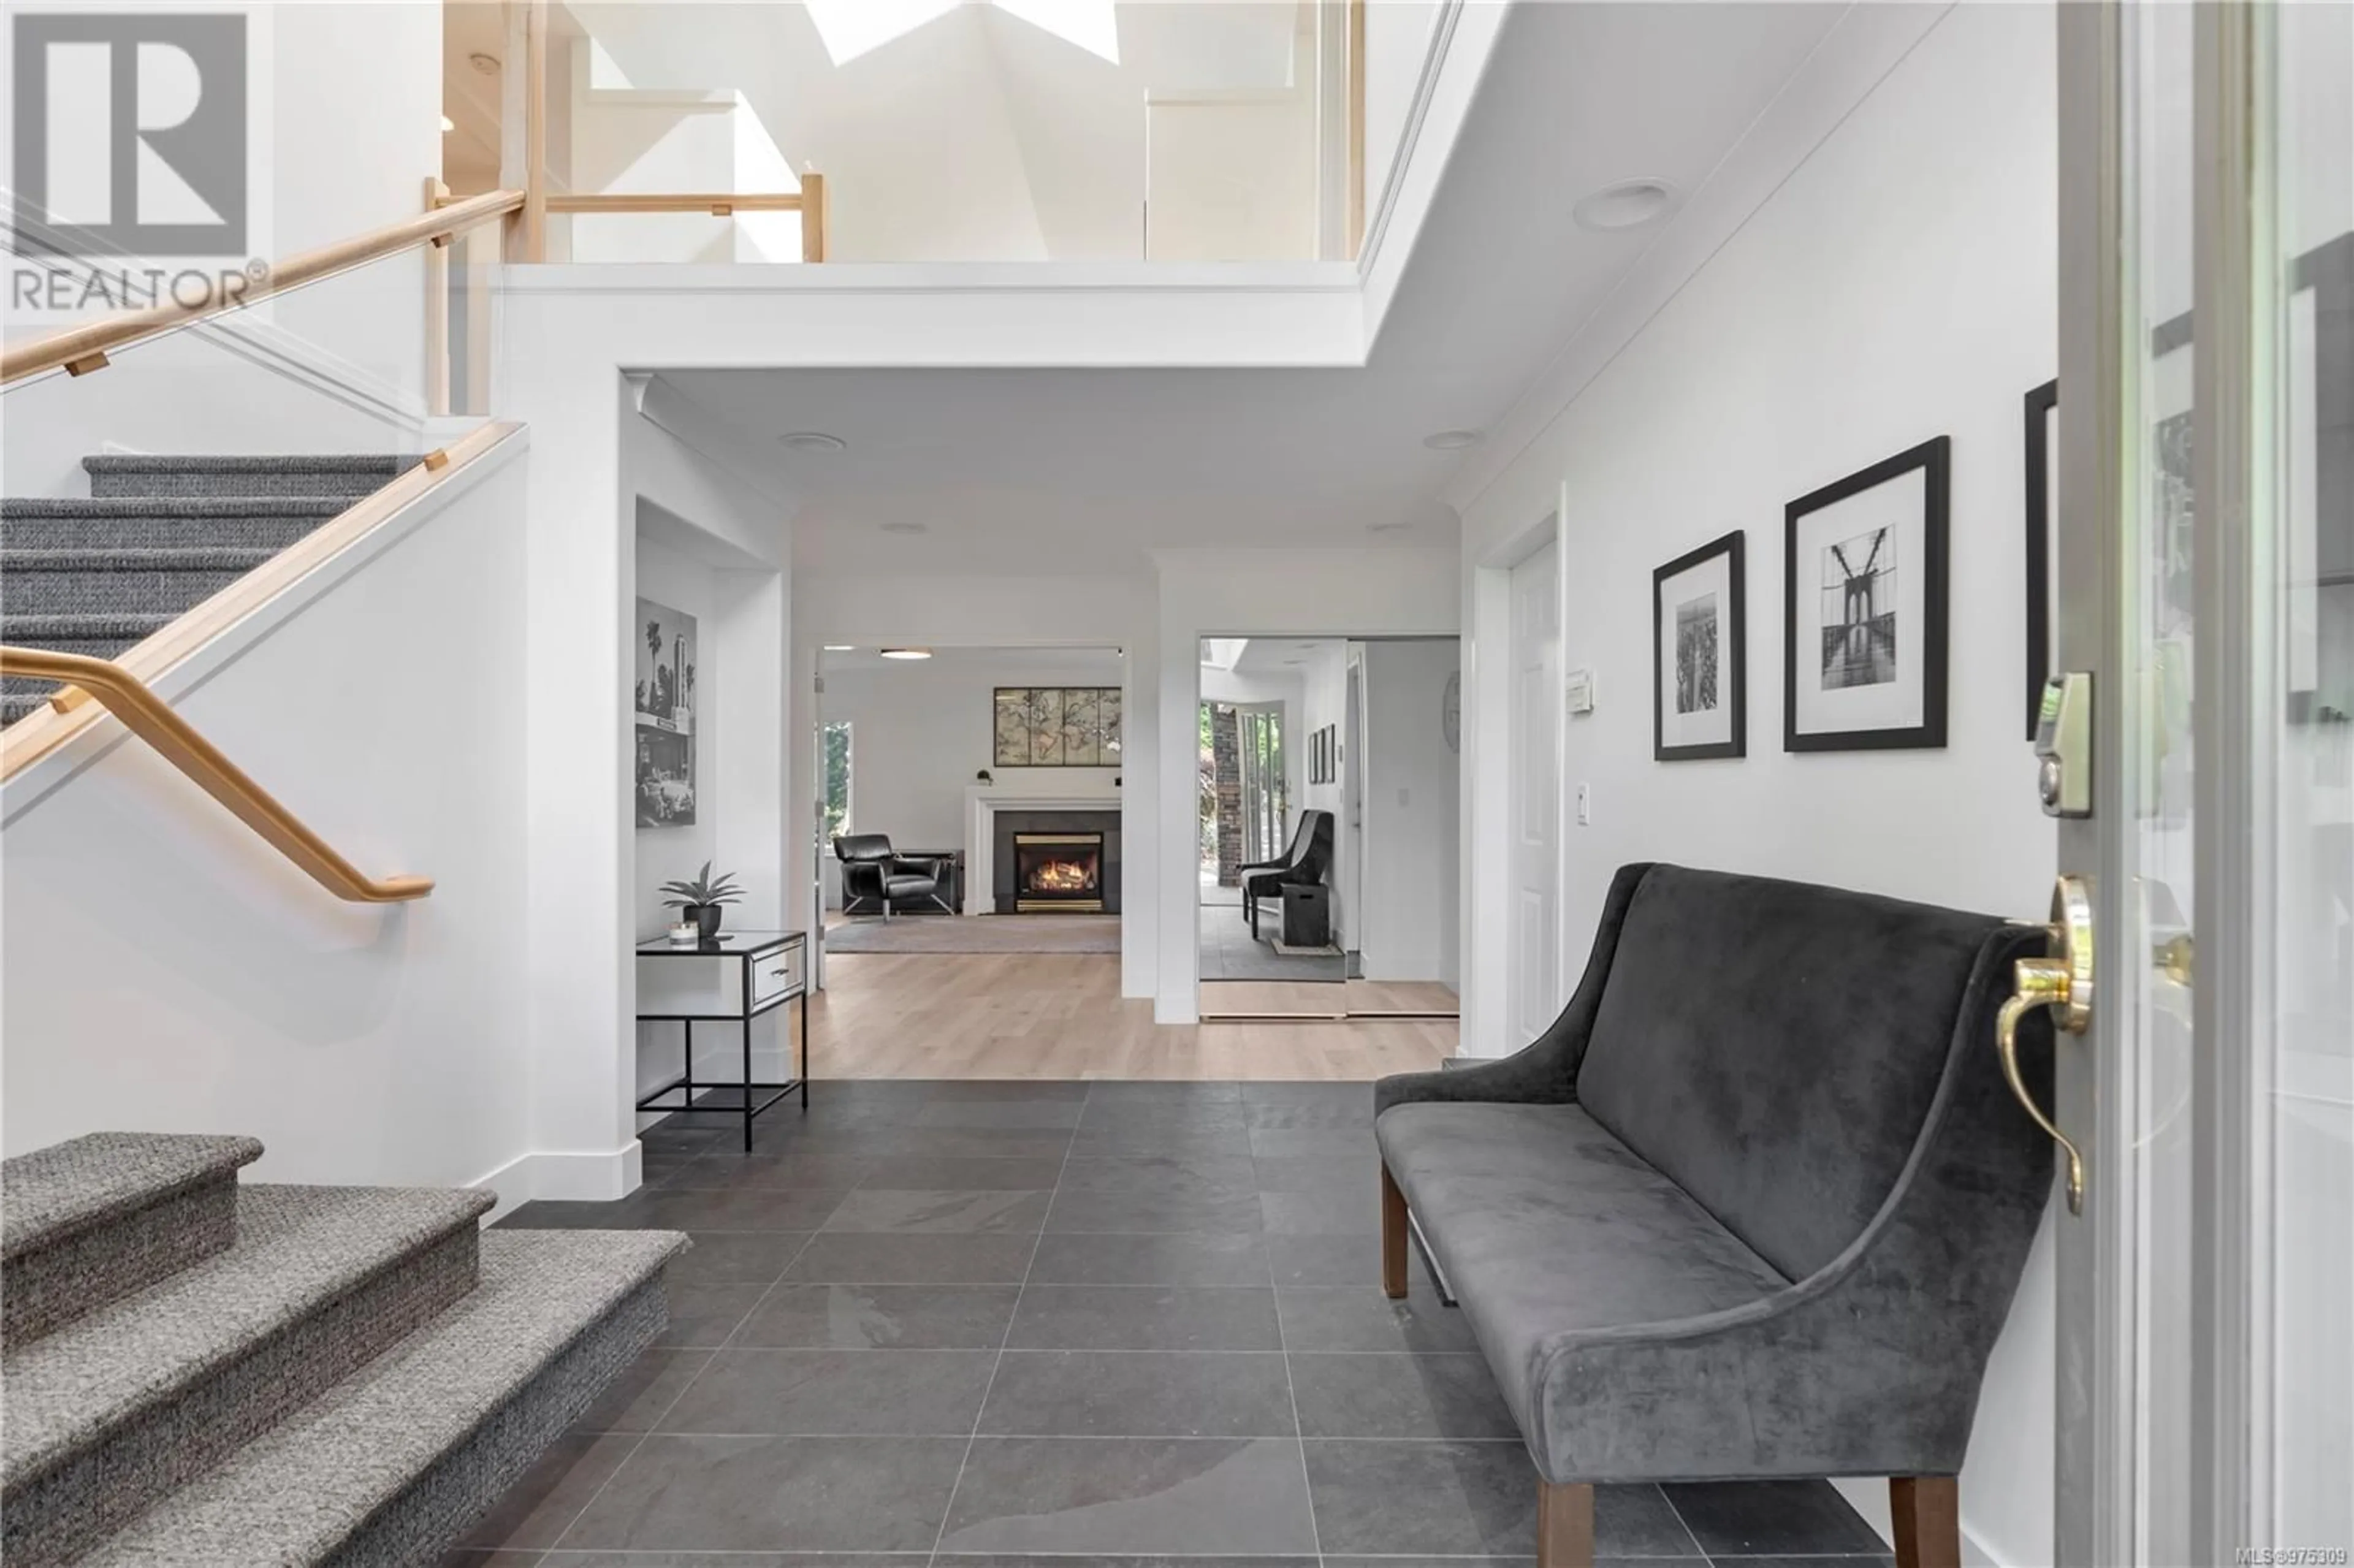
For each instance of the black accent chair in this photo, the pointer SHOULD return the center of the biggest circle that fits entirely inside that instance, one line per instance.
(872, 872)
(1310, 859)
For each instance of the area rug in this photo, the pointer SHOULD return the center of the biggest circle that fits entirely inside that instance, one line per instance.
(978, 934)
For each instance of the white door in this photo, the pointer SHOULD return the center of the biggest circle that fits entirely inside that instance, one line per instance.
(2205, 577)
(1533, 968)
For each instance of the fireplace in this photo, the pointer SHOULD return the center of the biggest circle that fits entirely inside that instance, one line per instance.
(1059, 874)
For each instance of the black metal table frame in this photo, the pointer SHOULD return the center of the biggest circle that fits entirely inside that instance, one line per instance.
(684, 1084)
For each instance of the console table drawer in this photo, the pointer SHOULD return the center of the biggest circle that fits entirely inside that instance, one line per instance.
(776, 973)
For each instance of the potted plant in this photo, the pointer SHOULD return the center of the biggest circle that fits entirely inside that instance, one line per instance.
(702, 898)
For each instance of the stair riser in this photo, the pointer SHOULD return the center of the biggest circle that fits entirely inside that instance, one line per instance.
(53, 1286)
(54, 1516)
(329, 486)
(437, 1509)
(156, 532)
(91, 591)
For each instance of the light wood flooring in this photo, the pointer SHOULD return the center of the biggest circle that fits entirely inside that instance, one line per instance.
(1322, 998)
(1052, 1015)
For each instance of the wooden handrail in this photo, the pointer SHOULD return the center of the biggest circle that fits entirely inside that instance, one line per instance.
(153, 720)
(85, 347)
(690, 201)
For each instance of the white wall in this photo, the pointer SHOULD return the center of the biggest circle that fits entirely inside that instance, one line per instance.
(921, 730)
(1899, 285)
(166, 971)
(1412, 788)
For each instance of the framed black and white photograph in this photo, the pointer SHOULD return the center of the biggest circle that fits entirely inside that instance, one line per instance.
(2043, 505)
(1863, 608)
(1700, 634)
(664, 701)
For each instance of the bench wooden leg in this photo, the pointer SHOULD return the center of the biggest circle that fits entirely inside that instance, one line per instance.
(1564, 1525)
(1928, 1514)
(1394, 1239)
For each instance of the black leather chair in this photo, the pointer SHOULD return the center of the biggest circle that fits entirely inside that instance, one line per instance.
(1310, 859)
(873, 874)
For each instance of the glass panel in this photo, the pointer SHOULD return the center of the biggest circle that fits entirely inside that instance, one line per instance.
(2304, 1258)
(2158, 603)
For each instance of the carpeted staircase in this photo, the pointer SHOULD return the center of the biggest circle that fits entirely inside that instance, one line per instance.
(200, 1372)
(155, 537)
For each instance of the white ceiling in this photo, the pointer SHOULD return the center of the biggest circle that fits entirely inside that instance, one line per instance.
(1283, 655)
(1093, 664)
(1083, 470)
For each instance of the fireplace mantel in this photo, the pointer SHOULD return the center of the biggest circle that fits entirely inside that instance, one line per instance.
(981, 805)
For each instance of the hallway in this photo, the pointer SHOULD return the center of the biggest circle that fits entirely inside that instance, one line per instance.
(1043, 1322)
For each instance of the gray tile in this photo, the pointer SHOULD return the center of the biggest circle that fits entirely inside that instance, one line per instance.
(1164, 1258)
(1144, 1317)
(1449, 1562)
(1313, 1107)
(554, 1215)
(1322, 1213)
(704, 1315)
(463, 1558)
(1398, 1396)
(1237, 1214)
(1333, 1260)
(1194, 1135)
(729, 1169)
(1773, 1518)
(850, 1257)
(889, 1211)
(1360, 1317)
(1860, 1559)
(1345, 1174)
(1443, 1498)
(735, 1257)
(1315, 1143)
(882, 1316)
(1067, 1560)
(774, 1494)
(914, 1393)
(1008, 1115)
(1111, 1094)
(1075, 1090)
(966, 1143)
(1121, 1394)
(568, 1559)
(954, 1174)
(736, 1208)
(635, 1401)
(535, 1511)
(1200, 1176)
(1198, 1497)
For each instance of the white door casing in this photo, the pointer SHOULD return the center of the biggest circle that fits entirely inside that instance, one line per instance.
(1533, 968)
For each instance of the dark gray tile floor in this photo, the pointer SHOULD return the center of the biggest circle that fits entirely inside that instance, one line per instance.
(1047, 1325)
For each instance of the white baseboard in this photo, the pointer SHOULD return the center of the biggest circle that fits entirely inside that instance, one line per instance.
(591, 1176)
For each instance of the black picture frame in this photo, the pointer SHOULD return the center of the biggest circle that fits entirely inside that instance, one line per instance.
(1934, 460)
(2041, 406)
(1734, 644)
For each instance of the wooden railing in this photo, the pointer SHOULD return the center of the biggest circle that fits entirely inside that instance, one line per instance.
(82, 349)
(176, 741)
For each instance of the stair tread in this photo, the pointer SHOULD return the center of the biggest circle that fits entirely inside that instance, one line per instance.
(134, 557)
(190, 507)
(297, 1249)
(30, 629)
(296, 1494)
(70, 1187)
(251, 462)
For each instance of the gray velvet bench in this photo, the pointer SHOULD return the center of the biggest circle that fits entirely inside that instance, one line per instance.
(1754, 1206)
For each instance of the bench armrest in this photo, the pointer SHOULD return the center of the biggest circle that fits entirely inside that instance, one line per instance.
(1544, 1072)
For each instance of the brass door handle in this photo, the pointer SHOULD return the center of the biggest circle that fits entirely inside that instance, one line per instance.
(2062, 982)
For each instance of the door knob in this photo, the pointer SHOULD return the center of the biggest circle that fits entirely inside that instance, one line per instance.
(2061, 981)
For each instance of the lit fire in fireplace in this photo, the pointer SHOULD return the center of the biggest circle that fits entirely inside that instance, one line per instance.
(1062, 876)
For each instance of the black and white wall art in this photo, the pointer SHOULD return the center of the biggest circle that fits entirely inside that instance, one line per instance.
(1863, 602)
(1699, 635)
(665, 698)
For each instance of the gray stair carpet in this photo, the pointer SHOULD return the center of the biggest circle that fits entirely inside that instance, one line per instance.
(155, 537)
(110, 1411)
(87, 1222)
(392, 1468)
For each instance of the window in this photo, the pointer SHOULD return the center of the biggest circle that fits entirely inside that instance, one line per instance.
(836, 779)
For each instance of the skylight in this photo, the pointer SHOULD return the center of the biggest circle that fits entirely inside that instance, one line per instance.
(850, 28)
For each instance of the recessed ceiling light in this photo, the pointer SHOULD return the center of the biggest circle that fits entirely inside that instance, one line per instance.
(842, 648)
(448, 125)
(1452, 440)
(487, 64)
(1626, 205)
(1390, 527)
(906, 528)
(906, 652)
(810, 442)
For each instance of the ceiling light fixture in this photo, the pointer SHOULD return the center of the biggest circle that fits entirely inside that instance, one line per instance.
(1626, 204)
(842, 648)
(812, 441)
(1390, 527)
(906, 652)
(1452, 440)
(906, 528)
(487, 64)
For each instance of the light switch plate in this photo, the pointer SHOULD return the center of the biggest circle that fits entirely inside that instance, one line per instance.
(1585, 805)
(1578, 687)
